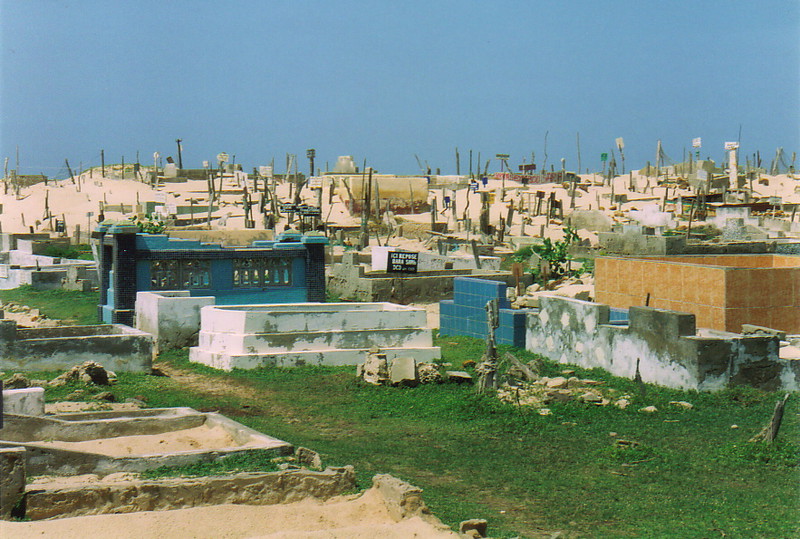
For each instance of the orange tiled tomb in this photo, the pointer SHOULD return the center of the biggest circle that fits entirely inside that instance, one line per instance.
(722, 291)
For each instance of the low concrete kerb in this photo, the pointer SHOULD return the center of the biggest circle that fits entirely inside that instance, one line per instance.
(12, 479)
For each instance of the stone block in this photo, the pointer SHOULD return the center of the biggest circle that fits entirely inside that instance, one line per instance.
(750, 329)
(26, 401)
(375, 369)
(404, 371)
(403, 500)
(103, 497)
(478, 525)
(459, 376)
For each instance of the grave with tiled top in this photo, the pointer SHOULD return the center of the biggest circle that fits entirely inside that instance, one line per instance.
(289, 269)
(465, 314)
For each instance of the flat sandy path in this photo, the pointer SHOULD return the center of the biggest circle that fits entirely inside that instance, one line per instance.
(351, 517)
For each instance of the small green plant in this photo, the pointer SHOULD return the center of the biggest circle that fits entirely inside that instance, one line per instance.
(556, 254)
(72, 252)
(149, 225)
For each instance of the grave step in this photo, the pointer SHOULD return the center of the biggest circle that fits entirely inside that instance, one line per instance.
(240, 343)
(339, 357)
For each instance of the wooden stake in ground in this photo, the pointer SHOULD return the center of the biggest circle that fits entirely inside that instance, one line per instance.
(691, 216)
(770, 432)
(487, 368)
(475, 254)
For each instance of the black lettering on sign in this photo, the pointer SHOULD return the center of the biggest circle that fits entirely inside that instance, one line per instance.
(400, 262)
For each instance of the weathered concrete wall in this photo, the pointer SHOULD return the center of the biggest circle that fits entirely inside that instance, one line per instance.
(25, 401)
(636, 243)
(227, 238)
(10, 242)
(249, 336)
(350, 281)
(286, 486)
(593, 220)
(92, 425)
(172, 318)
(12, 479)
(666, 343)
(19, 268)
(117, 347)
(32, 433)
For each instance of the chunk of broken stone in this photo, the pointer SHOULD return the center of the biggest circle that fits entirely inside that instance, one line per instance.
(591, 397)
(105, 396)
(93, 373)
(375, 369)
(622, 403)
(478, 525)
(88, 372)
(558, 395)
(649, 409)
(403, 371)
(682, 404)
(557, 383)
(16, 381)
(429, 373)
(459, 377)
(308, 457)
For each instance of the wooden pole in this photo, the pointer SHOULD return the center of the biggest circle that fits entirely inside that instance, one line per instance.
(71, 176)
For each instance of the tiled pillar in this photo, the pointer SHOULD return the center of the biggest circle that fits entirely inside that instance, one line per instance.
(124, 273)
(315, 266)
(105, 263)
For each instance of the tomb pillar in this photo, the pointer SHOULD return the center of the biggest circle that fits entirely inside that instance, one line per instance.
(104, 262)
(124, 273)
(315, 266)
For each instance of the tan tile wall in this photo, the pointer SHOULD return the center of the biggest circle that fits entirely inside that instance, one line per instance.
(740, 261)
(782, 261)
(722, 297)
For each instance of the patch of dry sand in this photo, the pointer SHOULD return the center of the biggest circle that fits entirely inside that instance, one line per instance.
(351, 517)
(69, 407)
(197, 438)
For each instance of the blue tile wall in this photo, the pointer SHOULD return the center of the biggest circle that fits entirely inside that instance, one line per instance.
(465, 314)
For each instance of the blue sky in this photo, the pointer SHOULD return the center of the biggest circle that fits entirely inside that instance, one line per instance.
(383, 80)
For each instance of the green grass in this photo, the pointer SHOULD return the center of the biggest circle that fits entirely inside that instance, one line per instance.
(251, 461)
(73, 252)
(689, 475)
(71, 306)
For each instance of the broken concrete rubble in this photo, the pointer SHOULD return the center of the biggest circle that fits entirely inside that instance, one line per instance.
(375, 369)
(403, 371)
(88, 372)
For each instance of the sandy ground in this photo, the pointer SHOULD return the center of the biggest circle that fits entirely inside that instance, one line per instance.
(69, 407)
(63, 198)
(351, 517)
(202, 437)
